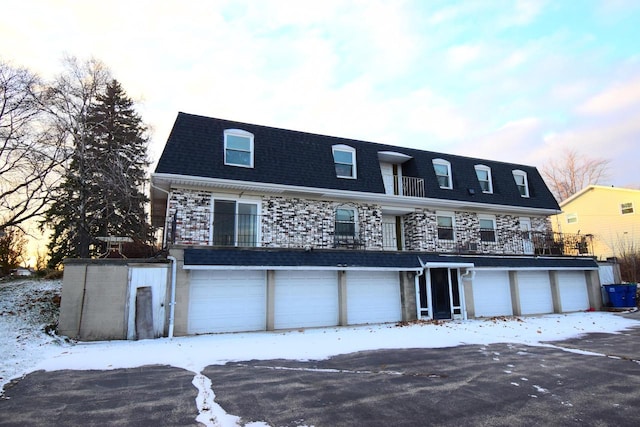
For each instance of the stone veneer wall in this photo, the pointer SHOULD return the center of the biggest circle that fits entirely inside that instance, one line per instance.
(421, 233)
(303, 223)
(192, 210)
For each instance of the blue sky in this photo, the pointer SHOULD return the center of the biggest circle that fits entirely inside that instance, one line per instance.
(516, 81)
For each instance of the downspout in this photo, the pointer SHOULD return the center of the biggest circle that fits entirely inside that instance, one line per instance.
(172, 303)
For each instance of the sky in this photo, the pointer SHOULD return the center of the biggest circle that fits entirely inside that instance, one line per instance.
(516, 81)
(25, 348)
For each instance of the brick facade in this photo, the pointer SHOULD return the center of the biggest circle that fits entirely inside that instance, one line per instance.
(286, 222)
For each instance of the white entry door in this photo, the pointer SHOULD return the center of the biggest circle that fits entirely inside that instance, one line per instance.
(154, 277)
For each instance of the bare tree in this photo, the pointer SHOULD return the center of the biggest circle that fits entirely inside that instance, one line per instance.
(572, 172)
(12, 246)
(29, 151)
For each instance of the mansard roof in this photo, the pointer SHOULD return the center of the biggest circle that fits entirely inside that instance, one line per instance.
(195, 148)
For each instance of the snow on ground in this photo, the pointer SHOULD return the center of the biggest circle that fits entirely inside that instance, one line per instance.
(25, 347)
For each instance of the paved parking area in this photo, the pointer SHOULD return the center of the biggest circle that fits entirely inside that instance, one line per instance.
(492, 385)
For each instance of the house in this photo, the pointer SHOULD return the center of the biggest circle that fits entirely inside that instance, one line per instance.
(276, 229)
(606, 218)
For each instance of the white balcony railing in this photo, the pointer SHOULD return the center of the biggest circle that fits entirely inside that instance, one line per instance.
(407, 186)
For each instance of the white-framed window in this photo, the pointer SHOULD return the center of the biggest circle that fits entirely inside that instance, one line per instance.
(443, 173)
(572, 218)
(344, 159)
(238, 148)
(234, 223)
(487, 228)
(446, 224)
(484, 178)
(521, 182)
(626, 208)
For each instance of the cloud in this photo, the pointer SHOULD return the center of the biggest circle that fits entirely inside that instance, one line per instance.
(617, 97)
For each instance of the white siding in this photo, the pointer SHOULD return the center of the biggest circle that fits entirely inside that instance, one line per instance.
(373, 297)
(305, 299)
(227, 301)
(492, 294)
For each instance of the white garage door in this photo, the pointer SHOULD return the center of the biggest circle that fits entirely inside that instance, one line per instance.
(305, 299)
(573, 290)
(227, 301)
(492, 294)
(535, 292)
(373, 297)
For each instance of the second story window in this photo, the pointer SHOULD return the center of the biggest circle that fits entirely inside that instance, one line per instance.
(487, 229)
(572, 218)
(626, 208)
(443, 173)
(238, 148)
(346, 222)
(521, 182)
(484, 178)
(344, 159)
(445, 226)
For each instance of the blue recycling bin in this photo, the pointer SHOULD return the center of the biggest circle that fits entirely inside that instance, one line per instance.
(621, 295)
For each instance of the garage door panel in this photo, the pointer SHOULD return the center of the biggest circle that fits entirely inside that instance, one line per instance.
(492, 294)
(573, 291)
(230, 301)
(373, 297)
(535, 292)
(305, 299)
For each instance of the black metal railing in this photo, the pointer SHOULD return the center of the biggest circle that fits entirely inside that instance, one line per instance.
(281, 231)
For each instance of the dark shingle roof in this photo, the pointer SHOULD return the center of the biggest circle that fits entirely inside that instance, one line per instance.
(238, 257)
(195, 148)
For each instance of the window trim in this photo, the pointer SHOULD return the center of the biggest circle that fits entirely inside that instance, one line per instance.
(631, 206)
(523, 174)
(243, 134)
(354, 210)
(495, 228)
(446, 214)
(447, 164)
(489, 177)
(346, 149)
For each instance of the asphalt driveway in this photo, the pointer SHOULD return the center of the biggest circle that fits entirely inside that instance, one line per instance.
(500, 384)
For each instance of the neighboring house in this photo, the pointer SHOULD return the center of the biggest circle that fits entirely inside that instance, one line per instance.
(277, 229)
(606, 218)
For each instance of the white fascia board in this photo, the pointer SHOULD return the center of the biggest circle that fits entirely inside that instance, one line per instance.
(386, 199)
(297, 267)
(534, 268)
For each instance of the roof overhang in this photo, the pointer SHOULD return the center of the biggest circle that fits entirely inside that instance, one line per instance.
(393, 157)
(162, 183)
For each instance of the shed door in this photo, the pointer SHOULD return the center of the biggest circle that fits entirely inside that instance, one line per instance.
(492, 294)
(535, 292)
(305, 299)
(573, 290)
(227, 301)
(373, 297)
(155, 278)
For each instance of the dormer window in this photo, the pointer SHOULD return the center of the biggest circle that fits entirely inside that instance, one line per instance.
(344, 159)
(484, 178)
(238, 148)
(521, 182)
(443, 173)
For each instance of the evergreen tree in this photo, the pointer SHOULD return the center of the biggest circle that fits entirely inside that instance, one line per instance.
(102, 193)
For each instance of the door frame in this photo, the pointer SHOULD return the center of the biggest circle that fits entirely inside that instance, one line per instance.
(424, 293)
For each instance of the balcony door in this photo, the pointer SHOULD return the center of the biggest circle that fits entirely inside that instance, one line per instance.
(525, 231)
(235, 224)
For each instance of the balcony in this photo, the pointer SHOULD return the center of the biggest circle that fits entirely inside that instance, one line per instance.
(282, 231)
(403, 186)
